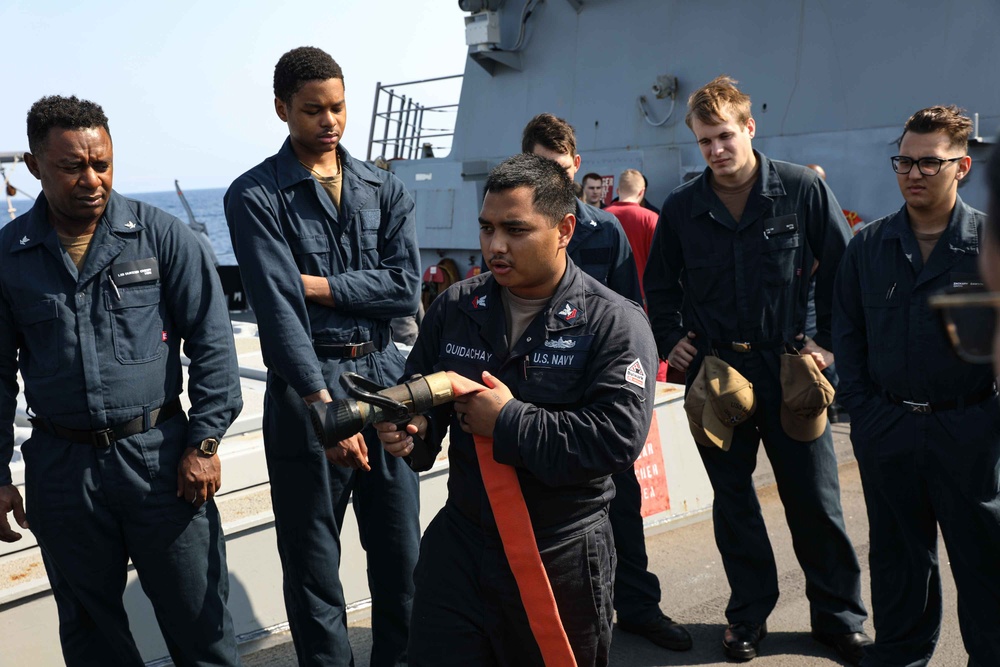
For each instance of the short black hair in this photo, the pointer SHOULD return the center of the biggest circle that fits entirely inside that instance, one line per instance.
(553, 194)
(592, 176)
(68, 113)
(298, 66)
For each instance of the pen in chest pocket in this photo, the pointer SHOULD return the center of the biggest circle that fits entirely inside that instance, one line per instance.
(111, 281)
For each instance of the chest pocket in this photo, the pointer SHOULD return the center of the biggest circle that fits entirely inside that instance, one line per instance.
(312, 254)
(39, 324)
(780, 250)
(703, 277)
(136, 324)
(883, 317)
(548, 385)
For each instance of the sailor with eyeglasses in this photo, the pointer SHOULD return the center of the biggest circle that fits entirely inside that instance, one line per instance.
(925, 423)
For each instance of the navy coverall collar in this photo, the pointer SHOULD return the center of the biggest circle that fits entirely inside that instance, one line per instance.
(765, 189)
(566, 310)
(960, 238)
(355, 192)
(116, 226)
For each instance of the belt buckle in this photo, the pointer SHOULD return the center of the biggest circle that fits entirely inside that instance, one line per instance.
(103, 438)
(740, 346)
(354, 351)
(918, 408)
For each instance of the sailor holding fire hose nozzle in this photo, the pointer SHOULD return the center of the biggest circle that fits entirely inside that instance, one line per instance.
(552, 378)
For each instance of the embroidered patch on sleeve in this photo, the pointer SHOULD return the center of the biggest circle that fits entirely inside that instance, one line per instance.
(635, 374)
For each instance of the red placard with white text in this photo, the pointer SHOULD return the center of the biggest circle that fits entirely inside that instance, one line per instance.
(608, 193)
(651, 475)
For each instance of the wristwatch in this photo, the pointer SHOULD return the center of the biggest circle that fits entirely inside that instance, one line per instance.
(208, 447)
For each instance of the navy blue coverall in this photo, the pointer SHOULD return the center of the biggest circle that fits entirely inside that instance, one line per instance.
(95, 355)
(283, 224)
(579, 415)
(920, 469)
(600, 248)
(745, 281)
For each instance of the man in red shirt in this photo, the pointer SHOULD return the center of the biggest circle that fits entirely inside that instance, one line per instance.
(639, 223)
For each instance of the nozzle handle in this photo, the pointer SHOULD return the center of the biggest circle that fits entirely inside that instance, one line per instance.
(363, 389)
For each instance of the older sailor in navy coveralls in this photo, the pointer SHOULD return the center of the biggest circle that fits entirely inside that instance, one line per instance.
(328, 254)
(729, 270)
(96, 294)
(925, 424)
(600, 248)
(575, 366)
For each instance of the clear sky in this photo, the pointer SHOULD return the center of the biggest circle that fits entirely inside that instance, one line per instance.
(186, 84)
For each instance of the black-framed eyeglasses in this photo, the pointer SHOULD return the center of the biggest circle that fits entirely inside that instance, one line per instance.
(969, 316)
(928, 166)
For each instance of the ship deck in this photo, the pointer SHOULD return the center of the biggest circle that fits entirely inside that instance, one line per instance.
(679, 539)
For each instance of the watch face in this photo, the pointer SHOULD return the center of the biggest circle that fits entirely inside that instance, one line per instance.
(209, 446)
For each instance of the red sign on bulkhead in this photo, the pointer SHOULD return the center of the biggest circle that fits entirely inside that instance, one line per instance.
(651, 474)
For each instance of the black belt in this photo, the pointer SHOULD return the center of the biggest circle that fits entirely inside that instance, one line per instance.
(106, 436)
(747, 346)
(330, 351)
(925, 408)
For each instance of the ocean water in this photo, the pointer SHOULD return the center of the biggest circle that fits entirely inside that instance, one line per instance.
(207, 207)
(206, 204)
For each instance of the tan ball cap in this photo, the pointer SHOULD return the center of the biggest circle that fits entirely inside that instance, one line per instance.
(805, 396)
(731, 401)
(694, 405)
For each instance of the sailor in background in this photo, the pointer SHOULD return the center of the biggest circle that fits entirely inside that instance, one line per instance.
(600, 247)
(729, 272)
(327, 248)
(570, 366)
(97, 293)
(925, 425)
(593, 190)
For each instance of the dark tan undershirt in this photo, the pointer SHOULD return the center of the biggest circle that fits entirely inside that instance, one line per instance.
(734, 198)
(927, 242)
(332, 184)
(519, 313)
(76, 247)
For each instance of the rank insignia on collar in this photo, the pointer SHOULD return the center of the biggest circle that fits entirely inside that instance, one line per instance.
(478, 302)
(568, 312)
(130, 224)
(24, 240)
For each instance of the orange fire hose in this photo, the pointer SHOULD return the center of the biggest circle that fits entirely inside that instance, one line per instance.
(514, 525)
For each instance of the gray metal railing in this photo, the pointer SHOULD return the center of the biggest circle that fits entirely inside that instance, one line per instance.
(400, 120)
